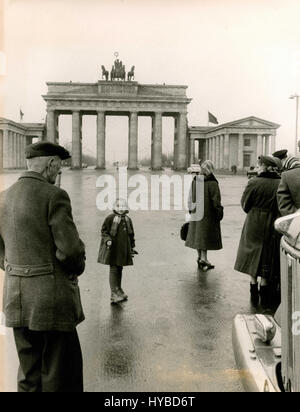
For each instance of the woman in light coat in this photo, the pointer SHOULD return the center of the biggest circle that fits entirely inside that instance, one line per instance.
(205, 234)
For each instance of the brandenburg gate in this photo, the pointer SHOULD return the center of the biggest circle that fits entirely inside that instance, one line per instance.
(120, 98)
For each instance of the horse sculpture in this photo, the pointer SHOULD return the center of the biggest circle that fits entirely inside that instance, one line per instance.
(130, 75)
(104, 73)
(118, 71)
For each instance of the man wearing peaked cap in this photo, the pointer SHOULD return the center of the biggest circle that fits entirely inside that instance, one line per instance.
(280, 154)
(45, 149)
(42, 255)
(46, 158)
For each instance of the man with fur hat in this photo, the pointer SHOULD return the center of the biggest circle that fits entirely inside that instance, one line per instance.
(42, 255)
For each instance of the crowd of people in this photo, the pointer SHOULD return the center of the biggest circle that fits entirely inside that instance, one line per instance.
(42, 254)
(273, 190)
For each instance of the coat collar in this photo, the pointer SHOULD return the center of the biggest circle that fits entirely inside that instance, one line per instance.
(210, 178)
(33, 175)
(269, 175)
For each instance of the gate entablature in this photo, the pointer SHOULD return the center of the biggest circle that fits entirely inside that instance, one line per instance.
(110, 89)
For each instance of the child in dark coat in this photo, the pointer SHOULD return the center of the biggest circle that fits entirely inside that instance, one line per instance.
(117, 247)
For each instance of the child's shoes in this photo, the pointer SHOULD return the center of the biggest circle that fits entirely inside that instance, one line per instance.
(116, 297)
(122, 293)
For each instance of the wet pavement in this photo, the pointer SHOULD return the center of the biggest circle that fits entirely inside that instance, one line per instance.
(174, 332)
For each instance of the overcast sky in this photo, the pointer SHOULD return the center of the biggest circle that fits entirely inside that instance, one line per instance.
(237, 57)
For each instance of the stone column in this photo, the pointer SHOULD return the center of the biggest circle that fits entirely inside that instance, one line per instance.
(215, 151)
(133, 141)
(51, 126)
(21, 151)
(5, 149)
(13, 150)
(76, 140)
(259, 149)
(23, 159)
(222, 152)
(210, 149)
(16, 151)
(226, 152)
(192, 151)
(175, 143)
(101, 140)
(217, 165)
(56, 123)
(214, 146)
(200, 154)
(1, 149)
(182, 142)
(273, 143)
(240, 152)
(267, 145)
(10, 150)
(206, 149)
(156, 158)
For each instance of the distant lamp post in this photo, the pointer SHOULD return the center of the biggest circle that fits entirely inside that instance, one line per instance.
(296, 96)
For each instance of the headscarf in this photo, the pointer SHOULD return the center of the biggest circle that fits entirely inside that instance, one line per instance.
(291, 163)
(207, 167)
(194, 169)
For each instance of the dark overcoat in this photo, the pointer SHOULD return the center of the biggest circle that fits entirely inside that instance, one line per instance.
(206, 233)
(288, 194)
(36, 225)
(120, 253)
(258, 252)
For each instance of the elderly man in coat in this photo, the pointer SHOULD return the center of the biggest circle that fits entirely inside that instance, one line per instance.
(258, 252)
(42, 255)
(288, 194)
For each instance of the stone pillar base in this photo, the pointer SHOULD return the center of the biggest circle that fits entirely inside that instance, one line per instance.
(133, 168)
(156, 169)
(100, 168)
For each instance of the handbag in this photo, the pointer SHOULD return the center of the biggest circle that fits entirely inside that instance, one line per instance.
(184, 231)
(104, 253)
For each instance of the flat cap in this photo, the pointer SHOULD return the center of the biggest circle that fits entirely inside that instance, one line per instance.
(280, 154)
(43, 149)
(270, 161)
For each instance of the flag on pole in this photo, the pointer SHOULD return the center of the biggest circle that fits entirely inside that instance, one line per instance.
(212, 118)
(21, 115)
